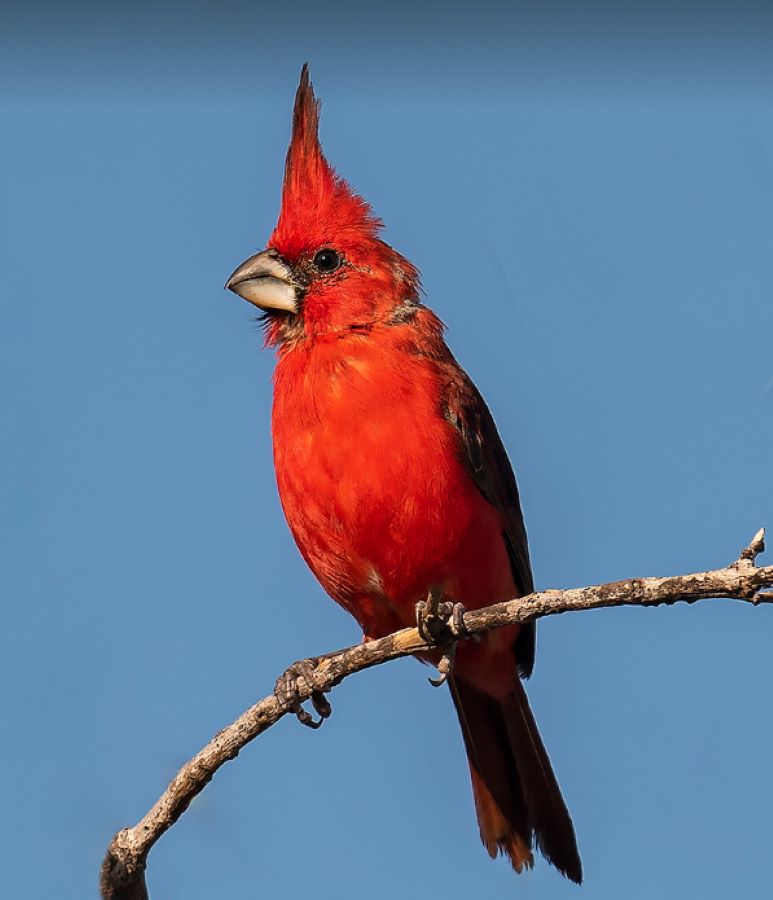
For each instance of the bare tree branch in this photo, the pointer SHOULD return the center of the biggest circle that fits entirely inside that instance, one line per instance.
(123, 869)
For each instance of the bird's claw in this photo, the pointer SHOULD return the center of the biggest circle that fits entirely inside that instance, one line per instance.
(445, 667)
(441, 623)
(287, 692)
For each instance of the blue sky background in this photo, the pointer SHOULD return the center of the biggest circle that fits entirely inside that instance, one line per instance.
(587, 191)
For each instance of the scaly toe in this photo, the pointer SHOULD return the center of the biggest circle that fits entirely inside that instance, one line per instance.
(441, 623)
(287, 692)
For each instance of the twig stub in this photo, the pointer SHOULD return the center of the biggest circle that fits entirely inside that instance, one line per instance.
(756, 546)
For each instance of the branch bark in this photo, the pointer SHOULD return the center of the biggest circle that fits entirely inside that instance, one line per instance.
(123, 869)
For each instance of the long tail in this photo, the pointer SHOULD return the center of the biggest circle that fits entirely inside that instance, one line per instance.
(517, 797)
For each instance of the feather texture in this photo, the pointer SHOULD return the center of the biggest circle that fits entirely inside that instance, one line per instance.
(517, 797)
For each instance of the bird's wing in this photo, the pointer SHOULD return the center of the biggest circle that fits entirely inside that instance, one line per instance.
(487, 463)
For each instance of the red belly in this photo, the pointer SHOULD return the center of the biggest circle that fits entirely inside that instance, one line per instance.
(374, 491)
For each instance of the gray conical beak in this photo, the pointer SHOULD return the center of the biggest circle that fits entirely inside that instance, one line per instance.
(266, 281)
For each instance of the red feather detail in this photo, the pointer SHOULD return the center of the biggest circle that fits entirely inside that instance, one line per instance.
(320, 210)
(371, 479)
(318, 207)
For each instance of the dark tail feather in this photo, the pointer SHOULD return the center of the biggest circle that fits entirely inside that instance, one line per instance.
(517, 797)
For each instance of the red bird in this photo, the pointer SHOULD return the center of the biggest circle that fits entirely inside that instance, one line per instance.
(393, 478)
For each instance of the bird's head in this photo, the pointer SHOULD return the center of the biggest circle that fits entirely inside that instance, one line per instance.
(325, 269)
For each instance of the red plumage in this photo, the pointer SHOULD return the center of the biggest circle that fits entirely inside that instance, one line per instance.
(393, 479)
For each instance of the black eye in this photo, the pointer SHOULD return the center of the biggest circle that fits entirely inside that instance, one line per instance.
(327, 260)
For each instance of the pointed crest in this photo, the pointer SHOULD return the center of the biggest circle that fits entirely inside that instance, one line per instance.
(317, 205)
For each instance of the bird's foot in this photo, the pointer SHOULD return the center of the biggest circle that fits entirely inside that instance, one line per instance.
(287, 691)
(441, 623)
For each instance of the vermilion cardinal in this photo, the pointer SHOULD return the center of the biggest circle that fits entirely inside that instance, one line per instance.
(393, 478)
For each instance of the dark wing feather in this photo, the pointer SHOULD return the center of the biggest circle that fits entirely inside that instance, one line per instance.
(486, 460)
